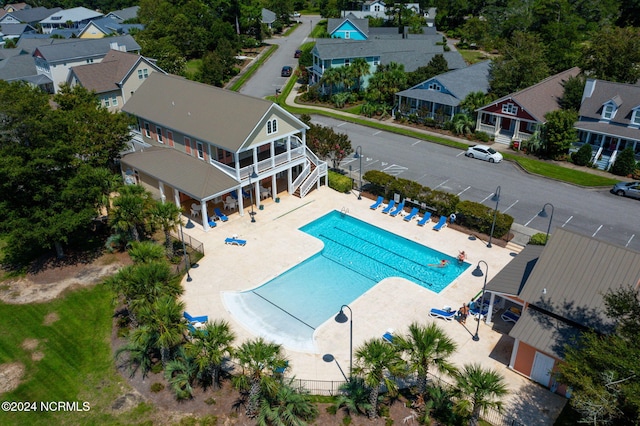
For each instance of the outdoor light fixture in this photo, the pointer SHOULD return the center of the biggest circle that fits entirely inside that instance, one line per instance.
(496, 198)
(478, 273)
(189, 225)
(342, 318)
(253, 175)
(358, 154)
(543, 213)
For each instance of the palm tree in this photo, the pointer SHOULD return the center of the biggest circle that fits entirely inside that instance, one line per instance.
(146, 252)
(210, 346)
(164, 322)
(181, 372)
(131, 210)
(426, 346)
(258, 360)
(358, 69)
(463, 124)
(140, 350)
(331, 77)
(478, 389)
(474, 101)
(286, 407)
(373, 359)
(166, 215)
(354, 397)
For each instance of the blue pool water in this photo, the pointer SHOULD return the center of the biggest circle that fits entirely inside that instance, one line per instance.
(356, 256)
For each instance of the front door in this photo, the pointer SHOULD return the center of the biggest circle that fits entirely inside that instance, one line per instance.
(542, 366)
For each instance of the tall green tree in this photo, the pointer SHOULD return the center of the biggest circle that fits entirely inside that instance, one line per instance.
(625, 163)
(602, 368)
(474, 101)
(572, 95)
(425, 347)
(358, 69)
(163, 322)
(210, 346)
(132, 211)
(478, 389)
(558, 132)
(167, 217)
(613, 54)
(373, 359)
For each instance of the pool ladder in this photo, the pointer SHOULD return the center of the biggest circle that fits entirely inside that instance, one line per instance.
(344, 211)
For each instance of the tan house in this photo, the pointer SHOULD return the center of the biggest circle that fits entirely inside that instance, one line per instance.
(516, 117)
(557, 291)
(211, 147)
(115, 79)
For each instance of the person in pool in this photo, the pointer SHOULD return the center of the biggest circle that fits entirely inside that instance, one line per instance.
(442, 264)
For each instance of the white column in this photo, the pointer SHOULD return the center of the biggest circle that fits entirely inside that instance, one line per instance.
(514, 352)
(240, 201)
(272, 151)
(516, 131)
(205, 216)
(163, 197)
(492, 300)
(176, 197)
(289, 148)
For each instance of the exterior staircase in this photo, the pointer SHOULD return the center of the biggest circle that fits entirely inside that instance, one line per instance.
(313, 171)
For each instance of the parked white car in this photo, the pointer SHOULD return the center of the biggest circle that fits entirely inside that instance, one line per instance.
(484, 152)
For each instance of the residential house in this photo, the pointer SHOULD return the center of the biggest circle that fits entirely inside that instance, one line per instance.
(12, 7)
(268, 18)
(439, 97)
(17, 64)
(31, 16)
(105, 26)
(75, 18)
(412, 52)
(115, 79)
(609, 120)
(517, 116)
(55, 60)
(124, 15)
(559, 290)
(348, 28)
(210, 145)
(15, 31)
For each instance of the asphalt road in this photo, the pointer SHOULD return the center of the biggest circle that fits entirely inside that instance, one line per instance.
(592, 212)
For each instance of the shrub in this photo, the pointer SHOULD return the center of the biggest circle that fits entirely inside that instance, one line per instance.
(582, 157)
(340, 182)
(482, 136)
(538, 239)
(157, 387)
(625, 163)
(379, 181)
(479, 217)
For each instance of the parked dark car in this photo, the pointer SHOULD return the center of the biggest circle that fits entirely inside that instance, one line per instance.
(286, 71)
(627, 189)
(297, 54)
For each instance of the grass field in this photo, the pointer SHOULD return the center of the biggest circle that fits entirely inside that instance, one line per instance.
(64, 346)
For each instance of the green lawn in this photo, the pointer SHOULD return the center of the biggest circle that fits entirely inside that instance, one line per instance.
(76, 362)
(473, 56)
(192, 67)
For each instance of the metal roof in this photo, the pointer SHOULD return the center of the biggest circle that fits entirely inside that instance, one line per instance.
(513, 277)
(189, 175)
(565, 290)
(75, 14)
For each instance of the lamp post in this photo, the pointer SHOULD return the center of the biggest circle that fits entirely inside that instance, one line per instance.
(253, 175)
(184, 247)
(478, 273)
(342, 318)
(543, 213)
(358, 154)
(496, 198)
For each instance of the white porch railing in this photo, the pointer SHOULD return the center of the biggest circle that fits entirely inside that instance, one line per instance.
(309, 182)
(487, 128)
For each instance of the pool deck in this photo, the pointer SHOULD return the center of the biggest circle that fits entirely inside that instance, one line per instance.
(274, 244)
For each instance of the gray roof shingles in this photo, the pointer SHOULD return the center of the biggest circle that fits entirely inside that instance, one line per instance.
(85, 48)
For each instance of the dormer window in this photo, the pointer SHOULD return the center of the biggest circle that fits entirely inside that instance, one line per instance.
(608, 112)
(635, 118)
(510, 109)
(272, 126)
(435, 86)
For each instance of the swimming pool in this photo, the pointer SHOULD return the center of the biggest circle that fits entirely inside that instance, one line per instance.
(356, 256)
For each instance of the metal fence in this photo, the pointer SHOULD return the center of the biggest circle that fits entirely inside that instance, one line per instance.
(192, 245)
(318, 387)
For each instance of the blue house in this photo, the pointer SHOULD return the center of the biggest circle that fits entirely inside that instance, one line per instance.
(439, 97)
(348, 28)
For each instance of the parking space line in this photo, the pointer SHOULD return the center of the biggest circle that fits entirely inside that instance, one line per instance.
(534, 216)
(487, 197)
(441, 184)
(377, 133)
(463, 191)
(416, 142)
(341, 124)
(462, 152)
(513, 204)
(629, 242)
(567, 221)
(599, 228)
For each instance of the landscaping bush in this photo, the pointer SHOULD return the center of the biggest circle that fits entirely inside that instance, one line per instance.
(482, 136)
(340, 183)
(538, 239)
(479, 217)
(379, 181)
(405, 187)
(582, 157)
(625, 163)
(157, 387)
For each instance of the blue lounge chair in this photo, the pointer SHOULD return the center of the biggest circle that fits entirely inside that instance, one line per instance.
(426, 218)
(414, 211)
(439, 313)
(378, 203)
(245, 194)
(235, 242)
(212, 222)
(441, 223)
(281, 370)
(509, 316)
(389, 207)
(220, 214)
(234, 195)
(388, 336)
(398, 209)
(192, 319)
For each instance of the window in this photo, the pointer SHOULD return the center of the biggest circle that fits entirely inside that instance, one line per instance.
(376, 62)
(143, 73)
(347, 62)
(159, 131)
(147, 130)
(347, 35)
(509, 109)
(89, 61)
(607, 112)
(105, 101)
(114, 101)
(435, 86)
(376, 8)
(635, 118)
(272, 126)
(200, 150)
